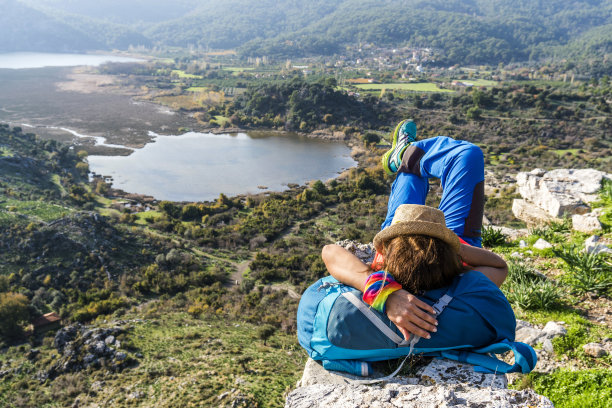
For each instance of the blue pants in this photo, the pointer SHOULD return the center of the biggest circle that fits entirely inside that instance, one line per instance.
(460, 167)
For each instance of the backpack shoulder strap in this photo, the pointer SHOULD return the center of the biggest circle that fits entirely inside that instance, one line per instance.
(485, 361)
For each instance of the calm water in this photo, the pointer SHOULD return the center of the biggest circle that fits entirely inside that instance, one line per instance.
(189, 167)
(200, 166)
(20, 60)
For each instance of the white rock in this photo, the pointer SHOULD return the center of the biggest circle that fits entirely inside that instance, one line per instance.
(522, 244)
(365, 252)
(594, 350)
(586, 223)
(314, 373)
(529, 335)
(547, 346)
(396, 395)
(561, 191)
(554, 329)
(592, 245)
(542, 244)
(538, 172)
(512, 233)
(530, 213)
(442, 371)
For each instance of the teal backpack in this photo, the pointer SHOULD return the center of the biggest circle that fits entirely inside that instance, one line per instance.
(475, 322)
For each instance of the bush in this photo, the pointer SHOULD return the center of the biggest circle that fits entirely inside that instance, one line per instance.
(265, 332)
(588, 272)
(529, 290)
(99, 307)
(371, 138)
(474, 113)
(493, 237)
(13, 313)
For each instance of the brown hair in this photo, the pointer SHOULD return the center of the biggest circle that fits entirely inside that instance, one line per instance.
(420, 263)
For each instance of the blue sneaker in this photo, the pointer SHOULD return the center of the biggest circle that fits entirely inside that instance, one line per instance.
(404, 134)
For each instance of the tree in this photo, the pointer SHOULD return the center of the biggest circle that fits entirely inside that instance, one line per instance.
(371, 138)
(13, 313)
(265, 332)
(474, 113)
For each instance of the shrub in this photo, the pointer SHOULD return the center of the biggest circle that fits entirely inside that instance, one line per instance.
(371, 138)
(265, 332)
(606, 190)
(588, 272)
(13, 313)
(493, 237)
(528, 289)
(99, 307)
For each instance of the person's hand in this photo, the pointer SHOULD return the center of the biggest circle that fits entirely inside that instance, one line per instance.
(410, 314)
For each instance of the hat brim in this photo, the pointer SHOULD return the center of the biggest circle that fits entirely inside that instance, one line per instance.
(426, 228)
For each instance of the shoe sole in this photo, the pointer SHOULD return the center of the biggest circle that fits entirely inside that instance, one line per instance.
(385, 158)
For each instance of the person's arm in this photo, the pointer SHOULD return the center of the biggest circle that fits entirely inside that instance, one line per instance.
(409, 313)
(491, 265)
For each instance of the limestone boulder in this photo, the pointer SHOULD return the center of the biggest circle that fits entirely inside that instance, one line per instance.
(586, 222)
(556, 192)
(594, 245)
(531, 213)
(561, 191)
(442, 383)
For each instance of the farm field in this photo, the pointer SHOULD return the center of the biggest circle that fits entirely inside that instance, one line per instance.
(415, 87)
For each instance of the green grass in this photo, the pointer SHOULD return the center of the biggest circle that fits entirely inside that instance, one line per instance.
(186, 362)
(8, 218)
(55, 179)
(220, 119)
(563, 152)
(480, 82)
(197, 89)
(574, 389)
(38, 209)
(141, 217)
(238, 69)
(229, 349)
(416, 87)
(6, 152)
(183, 74)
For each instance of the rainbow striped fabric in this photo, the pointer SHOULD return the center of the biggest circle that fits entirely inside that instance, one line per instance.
(378, 287)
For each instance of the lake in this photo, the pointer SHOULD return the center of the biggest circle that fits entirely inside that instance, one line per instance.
(164, 161)
(21, 60)
(199, 166)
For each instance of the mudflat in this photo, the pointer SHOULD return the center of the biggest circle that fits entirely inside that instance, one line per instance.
(87, 103)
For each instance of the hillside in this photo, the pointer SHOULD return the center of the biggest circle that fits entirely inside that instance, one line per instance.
(25, 29)
(461, 31)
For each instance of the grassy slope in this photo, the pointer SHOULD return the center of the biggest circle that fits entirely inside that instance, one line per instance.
(187, 362)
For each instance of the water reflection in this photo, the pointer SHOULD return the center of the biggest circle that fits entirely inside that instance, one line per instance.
(200, 166)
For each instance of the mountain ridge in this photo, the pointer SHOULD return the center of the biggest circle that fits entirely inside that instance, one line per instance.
(462, 31)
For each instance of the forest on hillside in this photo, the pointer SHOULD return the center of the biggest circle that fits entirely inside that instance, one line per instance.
(461, 31)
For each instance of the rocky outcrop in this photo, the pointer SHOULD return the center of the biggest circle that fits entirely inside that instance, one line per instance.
(441, 383)
(365, 252)
(549, 195)
(80, 347)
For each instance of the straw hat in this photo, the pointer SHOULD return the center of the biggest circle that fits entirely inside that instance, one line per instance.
(414, 219)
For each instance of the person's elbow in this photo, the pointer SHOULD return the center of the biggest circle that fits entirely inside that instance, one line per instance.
(328, 252)
(503, 272)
